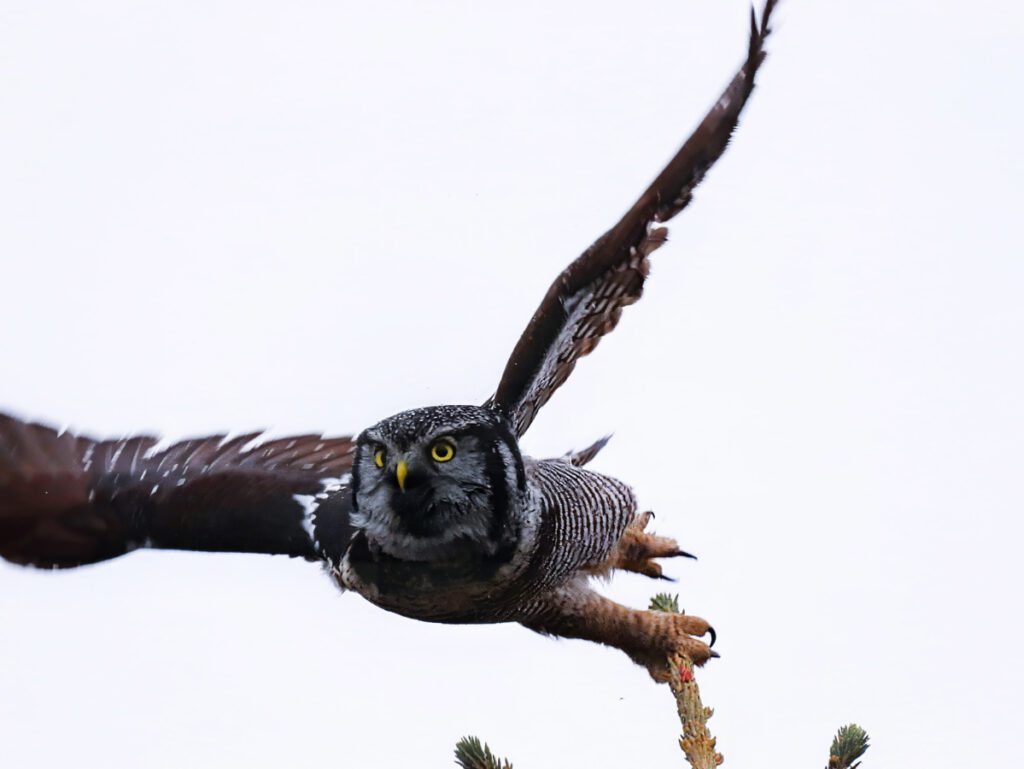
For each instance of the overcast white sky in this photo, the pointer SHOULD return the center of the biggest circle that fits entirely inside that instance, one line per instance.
(310, 215)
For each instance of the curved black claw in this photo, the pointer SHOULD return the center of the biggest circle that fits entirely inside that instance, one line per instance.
(666, 578)
(715, 655)
(682, 553)
(714, 637)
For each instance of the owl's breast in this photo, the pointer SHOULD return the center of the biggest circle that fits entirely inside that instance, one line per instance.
(464, 587)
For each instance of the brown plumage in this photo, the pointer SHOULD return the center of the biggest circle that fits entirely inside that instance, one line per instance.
(648, 637)
(67, 500)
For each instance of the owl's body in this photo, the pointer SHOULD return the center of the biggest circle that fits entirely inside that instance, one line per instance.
(566, 524)
(432, 513)
(521, 549)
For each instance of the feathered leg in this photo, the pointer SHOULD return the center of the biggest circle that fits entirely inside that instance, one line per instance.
(648, 637)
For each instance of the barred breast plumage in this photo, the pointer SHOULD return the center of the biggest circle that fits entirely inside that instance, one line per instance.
(584, 515)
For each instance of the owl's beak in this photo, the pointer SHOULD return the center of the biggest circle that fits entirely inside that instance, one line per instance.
(400, 472)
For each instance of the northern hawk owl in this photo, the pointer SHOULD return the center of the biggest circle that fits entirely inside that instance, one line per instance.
(432, 513)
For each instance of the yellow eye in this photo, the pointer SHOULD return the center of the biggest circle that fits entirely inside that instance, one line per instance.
(442, 451)
(378, 457)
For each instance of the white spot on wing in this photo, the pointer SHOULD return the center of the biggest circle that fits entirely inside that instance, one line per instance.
(87, 456)
(161, 445)
(309, 503)
(332, 485)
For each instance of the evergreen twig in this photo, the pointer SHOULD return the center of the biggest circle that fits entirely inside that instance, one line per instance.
(696, 741)
(665, 602)
(470, 753)
(848, 745)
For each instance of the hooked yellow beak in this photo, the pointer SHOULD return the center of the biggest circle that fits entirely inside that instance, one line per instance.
(400, 472)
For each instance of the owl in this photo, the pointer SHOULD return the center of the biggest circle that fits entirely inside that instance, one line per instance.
(433, 513)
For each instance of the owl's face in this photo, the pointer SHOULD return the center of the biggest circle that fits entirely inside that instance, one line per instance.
(433, 483)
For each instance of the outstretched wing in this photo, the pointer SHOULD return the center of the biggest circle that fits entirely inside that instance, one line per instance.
(67, 500)
(585, 302)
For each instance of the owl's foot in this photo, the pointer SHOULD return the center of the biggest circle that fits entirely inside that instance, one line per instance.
(638, 549)
(675, 636)
(650, 638)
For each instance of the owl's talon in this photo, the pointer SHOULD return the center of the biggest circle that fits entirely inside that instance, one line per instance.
(714, 637)
(638, 550)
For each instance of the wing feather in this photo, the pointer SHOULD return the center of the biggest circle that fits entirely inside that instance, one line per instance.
(66, 500)
(585, 302)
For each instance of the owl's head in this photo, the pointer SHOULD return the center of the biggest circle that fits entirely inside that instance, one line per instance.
(435, 482)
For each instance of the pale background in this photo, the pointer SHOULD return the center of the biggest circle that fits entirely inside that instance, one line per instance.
(310, 215)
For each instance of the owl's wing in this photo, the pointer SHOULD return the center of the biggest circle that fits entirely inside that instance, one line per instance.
(585, 301)
(67, 500)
